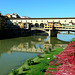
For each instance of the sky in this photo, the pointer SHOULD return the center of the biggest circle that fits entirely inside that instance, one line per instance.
(39, 8)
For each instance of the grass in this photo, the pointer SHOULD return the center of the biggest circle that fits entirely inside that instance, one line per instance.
(73, 39)
(40, 64)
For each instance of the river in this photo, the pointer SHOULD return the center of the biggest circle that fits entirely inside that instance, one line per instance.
(15, 51)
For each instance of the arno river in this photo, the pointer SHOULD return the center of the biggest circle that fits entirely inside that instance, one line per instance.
(15, 51)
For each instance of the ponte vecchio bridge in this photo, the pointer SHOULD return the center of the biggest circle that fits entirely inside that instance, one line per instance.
(49, 25)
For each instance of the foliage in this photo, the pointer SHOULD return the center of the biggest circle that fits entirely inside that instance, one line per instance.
(23, 68)
(73, 39)
(15, 72)
(39, 56)
(30, 61)
(65, 62)
(46, 52)
(42, 70)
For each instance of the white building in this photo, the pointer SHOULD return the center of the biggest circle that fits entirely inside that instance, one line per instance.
(13, 15)
(24, 17)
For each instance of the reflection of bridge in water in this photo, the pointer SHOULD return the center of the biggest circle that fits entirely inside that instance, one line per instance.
(38, 47)
(30, 44)
(34, 49)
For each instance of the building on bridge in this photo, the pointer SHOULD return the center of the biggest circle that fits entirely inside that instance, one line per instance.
(40, 22)
(52, 24)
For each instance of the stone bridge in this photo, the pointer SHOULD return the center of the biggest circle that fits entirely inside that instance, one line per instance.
(46, 24)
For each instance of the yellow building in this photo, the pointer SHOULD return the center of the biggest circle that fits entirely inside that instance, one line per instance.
(24, 25)
(21, 25)
(8, 15)
(70, 26)
(57, 25)
(49, 25)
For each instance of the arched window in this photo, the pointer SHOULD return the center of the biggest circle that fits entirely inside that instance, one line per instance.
(36, 25)
(71, 20)
(41, 25)
(31, 20)
(36, 21)
(31, 24)
(65, 21)
(41, 20)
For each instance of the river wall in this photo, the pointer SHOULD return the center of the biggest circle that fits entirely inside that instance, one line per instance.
(6, 34)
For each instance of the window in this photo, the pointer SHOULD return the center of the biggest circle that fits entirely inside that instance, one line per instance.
(65, 21)
(42, 21)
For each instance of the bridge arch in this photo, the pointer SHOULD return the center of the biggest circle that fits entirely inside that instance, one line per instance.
(42, 25)
(38, 30)
(32, 25)
(37, 25)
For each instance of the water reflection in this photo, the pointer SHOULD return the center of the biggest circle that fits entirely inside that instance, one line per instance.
(30, 44)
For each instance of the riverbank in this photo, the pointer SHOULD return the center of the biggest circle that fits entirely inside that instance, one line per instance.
(38, 65)
(73, 39)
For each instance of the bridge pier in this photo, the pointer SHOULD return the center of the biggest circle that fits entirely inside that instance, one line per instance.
(52, 33)
(68, 32)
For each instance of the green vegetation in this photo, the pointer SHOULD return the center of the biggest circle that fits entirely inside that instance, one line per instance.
(37, 66)
(73, 39)
(30, 61)
(15, 72)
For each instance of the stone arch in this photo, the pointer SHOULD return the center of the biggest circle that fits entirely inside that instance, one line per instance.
(37, 25)
(42, 25)
(31, 25)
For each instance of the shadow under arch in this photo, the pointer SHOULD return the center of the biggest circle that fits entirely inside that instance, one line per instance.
(40, 32)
